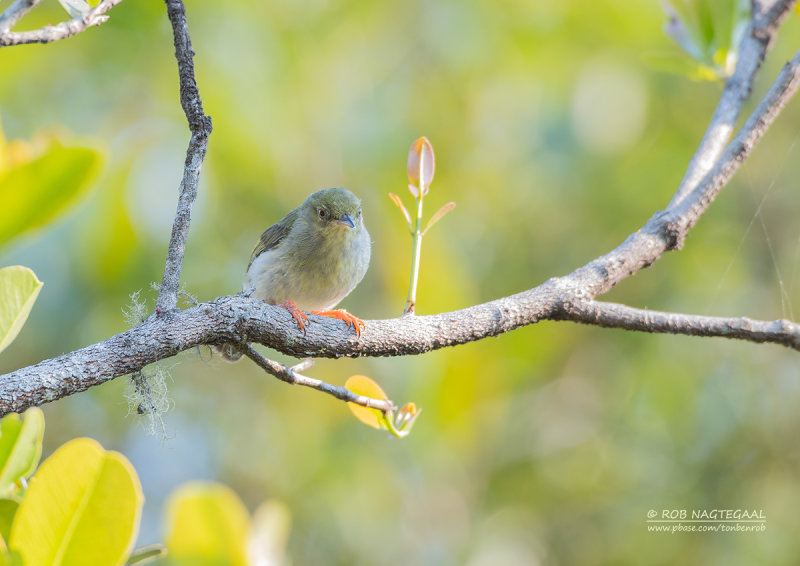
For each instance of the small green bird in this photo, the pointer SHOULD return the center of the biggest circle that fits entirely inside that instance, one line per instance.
(311, 260)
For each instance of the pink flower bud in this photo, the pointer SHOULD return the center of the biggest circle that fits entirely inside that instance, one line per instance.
(421, 164)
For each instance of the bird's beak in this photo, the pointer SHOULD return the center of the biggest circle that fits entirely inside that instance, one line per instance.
(347, 220)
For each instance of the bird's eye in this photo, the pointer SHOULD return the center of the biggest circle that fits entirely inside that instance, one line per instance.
(322, 213)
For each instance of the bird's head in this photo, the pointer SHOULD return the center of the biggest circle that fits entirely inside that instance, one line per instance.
(335, 208)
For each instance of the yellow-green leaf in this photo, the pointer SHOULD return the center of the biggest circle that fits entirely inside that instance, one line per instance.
(32, 193)
(8, 558)
(147, 554)
(362, 385)
(20, 447)
(82, 507)
(678, 64)
(207, 525)
(19, 288)
(8, 508)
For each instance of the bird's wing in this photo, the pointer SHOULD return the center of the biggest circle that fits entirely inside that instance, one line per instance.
(273, 236)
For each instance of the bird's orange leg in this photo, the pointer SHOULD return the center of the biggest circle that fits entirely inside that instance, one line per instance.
(299, 316)
(342, 314)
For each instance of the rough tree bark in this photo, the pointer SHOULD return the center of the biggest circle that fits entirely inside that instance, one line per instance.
(242, 320)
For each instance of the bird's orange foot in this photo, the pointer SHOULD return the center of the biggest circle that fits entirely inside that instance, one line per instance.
(299, 316)
(342, 314)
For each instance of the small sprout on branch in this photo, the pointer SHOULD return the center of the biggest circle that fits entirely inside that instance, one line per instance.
(399, 203)
(709, 32)
(399, 426)
(438, 216)
(406, 417)
(420, 168)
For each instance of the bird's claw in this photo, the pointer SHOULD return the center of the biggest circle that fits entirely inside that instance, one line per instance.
(299, 316)
(353, 321)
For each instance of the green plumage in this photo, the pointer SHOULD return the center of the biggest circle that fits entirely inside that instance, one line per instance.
(273, 235)
(315, 256)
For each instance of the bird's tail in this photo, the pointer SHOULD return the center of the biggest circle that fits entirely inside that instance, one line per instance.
(229, 352)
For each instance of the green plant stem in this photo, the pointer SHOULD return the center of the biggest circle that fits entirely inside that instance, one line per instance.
(411, 301)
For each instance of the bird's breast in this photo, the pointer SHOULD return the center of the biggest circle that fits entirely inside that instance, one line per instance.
(314, 277)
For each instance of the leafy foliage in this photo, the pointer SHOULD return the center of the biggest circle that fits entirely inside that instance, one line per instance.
(19, 288)
(399, 426)
(39, 180)
(710, 31)
(207, 524)
(82, 507)
(20, 448)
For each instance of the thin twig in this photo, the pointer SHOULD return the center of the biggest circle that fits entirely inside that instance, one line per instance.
(303, 365)
(666, 230)
(48, 34)
(200, 127)
(688, 211)
(613, 315)
(755, 43)
(14, 13)
(291, 375)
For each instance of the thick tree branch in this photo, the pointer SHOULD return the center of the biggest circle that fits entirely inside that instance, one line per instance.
(200, 126)
(292, 376)
(241, 320)
(48, 34)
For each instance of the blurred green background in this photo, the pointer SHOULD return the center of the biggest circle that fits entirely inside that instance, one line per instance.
(548, 445)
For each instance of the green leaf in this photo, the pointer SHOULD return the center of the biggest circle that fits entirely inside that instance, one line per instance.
(19, 288)
(147, 554)
(82, 507)
(8, 508)
(35, 191)
(9, 558)
(207, 525)
(710, 31)
(20, 448)
(681, 65)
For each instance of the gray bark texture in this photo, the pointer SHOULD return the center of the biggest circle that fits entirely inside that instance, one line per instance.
(241, 320)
